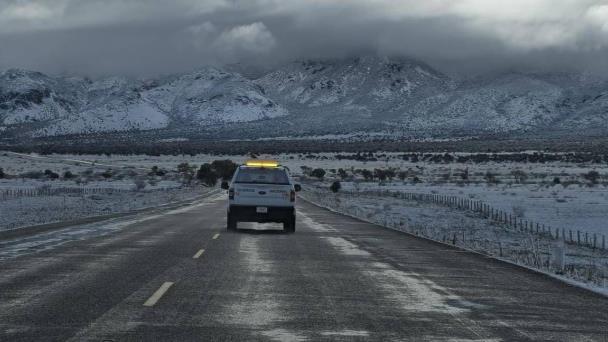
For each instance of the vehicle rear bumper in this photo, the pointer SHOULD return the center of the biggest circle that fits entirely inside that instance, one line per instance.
(247, 213)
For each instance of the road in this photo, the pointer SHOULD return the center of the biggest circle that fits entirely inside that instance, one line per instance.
(181, 276)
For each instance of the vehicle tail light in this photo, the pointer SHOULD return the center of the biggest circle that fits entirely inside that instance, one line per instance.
(292, 196)
(231, 193)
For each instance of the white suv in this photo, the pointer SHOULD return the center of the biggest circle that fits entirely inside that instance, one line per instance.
(262, 191)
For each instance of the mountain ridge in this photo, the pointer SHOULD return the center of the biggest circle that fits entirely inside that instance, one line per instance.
(315, 96)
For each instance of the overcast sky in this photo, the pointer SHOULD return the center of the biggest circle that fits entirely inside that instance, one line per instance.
(148, 37)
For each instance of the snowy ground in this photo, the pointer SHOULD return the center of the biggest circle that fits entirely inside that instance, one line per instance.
(576, 208)
(28, 211)
(465, 229)
(572, 204)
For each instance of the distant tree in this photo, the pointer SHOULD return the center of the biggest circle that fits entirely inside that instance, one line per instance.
(224, 168)
(207, 175)
(592, 176)
(402, 175)
(490, 178)
(465, 174)
(556, 180)
(342, 173)
(2, 174)
(318, 173)
(519, 175)
(367, 174)
(335, 186)
(380, 174)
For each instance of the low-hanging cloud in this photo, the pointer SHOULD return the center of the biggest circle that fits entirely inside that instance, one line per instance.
(147, 37)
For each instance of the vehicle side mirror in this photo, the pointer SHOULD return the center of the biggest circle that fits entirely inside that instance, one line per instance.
(225, 185)
(297, 187)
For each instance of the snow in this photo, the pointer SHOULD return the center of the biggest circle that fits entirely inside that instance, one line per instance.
(585, 266)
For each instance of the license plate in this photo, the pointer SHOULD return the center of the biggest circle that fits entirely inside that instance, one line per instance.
(261, 210)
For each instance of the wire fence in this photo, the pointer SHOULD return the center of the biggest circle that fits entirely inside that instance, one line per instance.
(498, 216)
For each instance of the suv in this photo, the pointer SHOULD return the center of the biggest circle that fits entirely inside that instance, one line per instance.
(262, 191)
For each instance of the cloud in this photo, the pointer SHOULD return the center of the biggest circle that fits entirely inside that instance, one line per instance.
(245, 41)
(143, 37)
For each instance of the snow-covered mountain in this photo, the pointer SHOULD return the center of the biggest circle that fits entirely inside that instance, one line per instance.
(308, 97)
(44, 105)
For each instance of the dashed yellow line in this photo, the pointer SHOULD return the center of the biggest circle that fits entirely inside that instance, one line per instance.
(158, 294)
(216, 236)
(198, 254)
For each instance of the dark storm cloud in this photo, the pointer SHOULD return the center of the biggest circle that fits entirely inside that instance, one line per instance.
(143, 37)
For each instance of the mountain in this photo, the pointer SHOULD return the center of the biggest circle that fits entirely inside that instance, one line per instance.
(341, 96)
(40, 105)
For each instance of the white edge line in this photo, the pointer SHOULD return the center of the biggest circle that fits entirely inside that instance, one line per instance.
(158, 294)
(198, 254)
(571, 282)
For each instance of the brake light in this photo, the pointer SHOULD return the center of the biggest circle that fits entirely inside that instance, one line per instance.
(230, 193)
(292, 196)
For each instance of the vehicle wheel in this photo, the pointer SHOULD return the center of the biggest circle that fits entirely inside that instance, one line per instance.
(289, 226)
(231, 223)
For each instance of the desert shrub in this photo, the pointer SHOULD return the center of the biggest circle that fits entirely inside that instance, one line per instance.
(342, 173)
(592, 176)
(490, 178)
(335, 186)
(68, 175)
(519, 175)
(50, 174)
(156, 171)
(224, 168)
(318, 173)
(107, 174)
(2, 174)
(139, 184)
(556, 180)
(367, 174)
(207, 175)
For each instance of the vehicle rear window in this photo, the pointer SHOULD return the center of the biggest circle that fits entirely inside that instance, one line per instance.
(262, 176)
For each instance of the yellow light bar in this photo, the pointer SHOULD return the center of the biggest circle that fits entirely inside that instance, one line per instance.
(262, 163)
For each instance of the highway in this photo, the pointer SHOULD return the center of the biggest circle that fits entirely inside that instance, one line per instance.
(180, 276)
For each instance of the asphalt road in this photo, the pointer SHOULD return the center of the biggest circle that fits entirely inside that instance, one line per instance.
(181, 276)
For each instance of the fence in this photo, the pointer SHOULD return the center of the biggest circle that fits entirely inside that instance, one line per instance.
(498, 216)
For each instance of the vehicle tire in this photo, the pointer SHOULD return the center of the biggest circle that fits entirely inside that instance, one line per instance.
(231, 223)
(289, 226)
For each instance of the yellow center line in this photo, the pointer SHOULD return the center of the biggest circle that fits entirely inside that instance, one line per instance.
(216, 236)
(158, 294)
(198, 254)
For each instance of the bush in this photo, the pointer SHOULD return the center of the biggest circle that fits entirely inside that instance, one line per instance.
(318, 173)
(50, 174)
(556, 180)
(335, 186)
(592, 176)
(155, 171)
(107, 174)
(139, 184)
(68, 175)
(207, 175)
(2, 174)
(224, 168)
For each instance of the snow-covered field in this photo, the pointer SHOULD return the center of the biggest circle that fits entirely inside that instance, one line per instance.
(573, 203)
